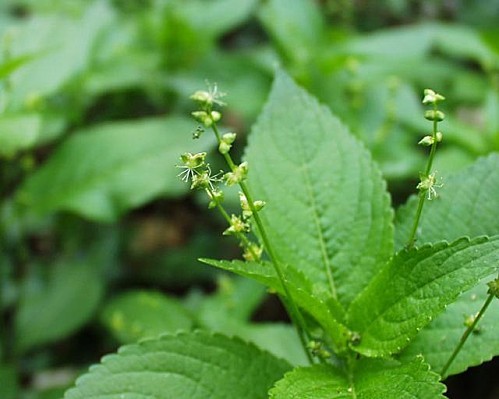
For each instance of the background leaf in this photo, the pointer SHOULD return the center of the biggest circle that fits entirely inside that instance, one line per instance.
(327, 206)
(105, 170)
(414, 288)
(53, 309)
(186, 366)
(371, 379)
(466, 205)
(144, 314)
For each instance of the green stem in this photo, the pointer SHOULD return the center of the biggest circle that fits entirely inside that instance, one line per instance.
(293, 310)
(240, 236)
(466, 334)
(422, 197)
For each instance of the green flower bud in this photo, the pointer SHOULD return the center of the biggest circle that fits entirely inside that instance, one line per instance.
(494, 287)
(229, 138)
(215, 116)
(217, 197)
(426, 141)
(224, 148)
(430, 97)
(439, 136)
(434, 115)
(253, 253)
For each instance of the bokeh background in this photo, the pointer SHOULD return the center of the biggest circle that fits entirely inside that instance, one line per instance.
(99, 239)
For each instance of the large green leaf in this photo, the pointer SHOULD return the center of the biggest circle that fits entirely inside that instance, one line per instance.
(144, 314)
(57, 307)
(186, 366)
(103, 171)
(317, 303)
(414, 288)
(466, 205)
(369, 379)
(328, 213)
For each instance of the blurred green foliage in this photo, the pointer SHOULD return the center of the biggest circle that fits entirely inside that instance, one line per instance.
(93, 99)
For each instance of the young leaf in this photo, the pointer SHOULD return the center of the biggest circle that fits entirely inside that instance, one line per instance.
(327, 213)
(144, 314)
(315, 303)
(105, 170)
(414, 288)
(466, 205)
(47, 313)
(195, 365)
(370, 379)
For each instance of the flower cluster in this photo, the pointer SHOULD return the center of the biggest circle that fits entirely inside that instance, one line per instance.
(428, 181)
(198, 172)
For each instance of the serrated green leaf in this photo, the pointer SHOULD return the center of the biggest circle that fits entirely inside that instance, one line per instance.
(186, 366)
(65, 302)
(466, 205)
(144, 314)
(369, 379)
(438, 340)
(327, 213)
(414, 288)
(316, 303)
(105, 170)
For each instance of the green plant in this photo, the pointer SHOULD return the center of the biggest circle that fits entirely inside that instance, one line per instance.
(380, 299)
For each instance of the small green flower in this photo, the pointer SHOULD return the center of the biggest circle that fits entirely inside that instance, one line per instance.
(192, 163)
(207, 98)
(494, 287)
(237, 225)
(428, 184)
(253, 252)
(238, 175)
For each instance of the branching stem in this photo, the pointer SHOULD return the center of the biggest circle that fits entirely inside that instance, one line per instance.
(293, 310)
